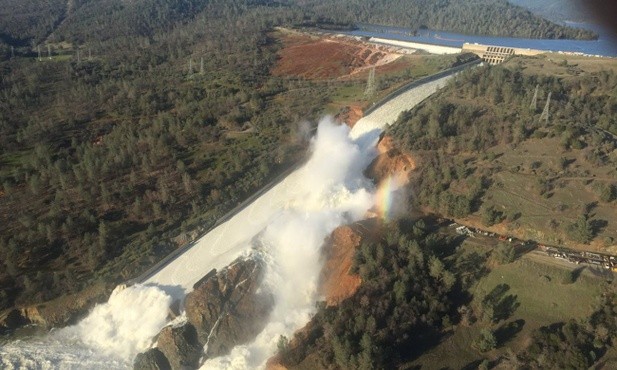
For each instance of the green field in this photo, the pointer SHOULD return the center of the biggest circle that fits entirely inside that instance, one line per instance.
(541, 297)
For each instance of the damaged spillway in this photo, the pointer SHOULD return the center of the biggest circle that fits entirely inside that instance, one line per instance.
(282, 232)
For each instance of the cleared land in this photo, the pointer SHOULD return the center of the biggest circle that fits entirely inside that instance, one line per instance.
(343, 64)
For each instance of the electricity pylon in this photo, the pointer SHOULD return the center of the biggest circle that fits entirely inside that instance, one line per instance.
(544, 115)
(370, 84)
(534, 101)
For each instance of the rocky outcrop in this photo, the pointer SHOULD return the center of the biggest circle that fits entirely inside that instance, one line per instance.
(180, 346)
(11, 320)
(59, 312)
(226, 309)
(152, 359)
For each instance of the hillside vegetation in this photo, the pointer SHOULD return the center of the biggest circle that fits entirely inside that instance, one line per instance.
(487, 154)
(430, 299)
(150, 119)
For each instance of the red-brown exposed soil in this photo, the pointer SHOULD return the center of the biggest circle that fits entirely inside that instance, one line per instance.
(322, 58)
(337, 283)
(390, 162)
(350, 114)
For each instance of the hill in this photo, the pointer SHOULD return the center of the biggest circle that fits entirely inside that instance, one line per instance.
(79, 21)
(489, 156)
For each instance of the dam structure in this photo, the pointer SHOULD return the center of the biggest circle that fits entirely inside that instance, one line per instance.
(497, 54)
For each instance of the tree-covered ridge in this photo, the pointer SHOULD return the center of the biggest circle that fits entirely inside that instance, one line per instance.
(21, 21)
(419, 288)
(399, 310)
(88, 20)
(483, 17)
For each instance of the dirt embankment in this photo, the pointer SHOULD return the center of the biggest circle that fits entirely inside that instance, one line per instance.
(390, 163)
(328, 57)
(350, 114)
(337, 282)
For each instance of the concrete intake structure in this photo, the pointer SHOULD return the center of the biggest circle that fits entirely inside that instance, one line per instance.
(497, 54)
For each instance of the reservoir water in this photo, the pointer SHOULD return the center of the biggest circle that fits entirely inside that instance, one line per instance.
(606, 45)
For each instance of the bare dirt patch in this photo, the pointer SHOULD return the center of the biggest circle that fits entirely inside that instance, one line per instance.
(337, 283)
(323, 58)
(350, 114)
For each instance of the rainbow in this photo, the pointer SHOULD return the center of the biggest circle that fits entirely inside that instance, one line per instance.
(384, 197)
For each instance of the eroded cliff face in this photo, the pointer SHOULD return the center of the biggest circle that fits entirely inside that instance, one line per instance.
(390, 162)
(225, 309)
(336, 280)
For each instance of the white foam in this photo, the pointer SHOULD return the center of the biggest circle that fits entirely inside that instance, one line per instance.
(108, 338)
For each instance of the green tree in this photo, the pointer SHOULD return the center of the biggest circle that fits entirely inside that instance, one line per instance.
(486, 341)
(505, 253)
(581, 230)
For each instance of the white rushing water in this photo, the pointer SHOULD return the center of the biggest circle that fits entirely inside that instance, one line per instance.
(287, 224)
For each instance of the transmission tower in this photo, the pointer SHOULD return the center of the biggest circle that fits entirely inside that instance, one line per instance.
(48, 52)
(534, 100)
(544, 115)
(89, 54)
(370, 84)
(190, 66)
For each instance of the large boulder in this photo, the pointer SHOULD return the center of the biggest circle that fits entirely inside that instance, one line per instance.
(152, 359)
(227, 308)
(181, 346)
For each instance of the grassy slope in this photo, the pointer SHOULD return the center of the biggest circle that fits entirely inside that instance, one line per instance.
(537, 283)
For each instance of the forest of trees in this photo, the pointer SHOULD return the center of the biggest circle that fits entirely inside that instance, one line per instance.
(32, 21)
(490, 106)
(103, 160)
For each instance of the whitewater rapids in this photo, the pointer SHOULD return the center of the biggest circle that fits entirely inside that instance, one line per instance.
(286, 225)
